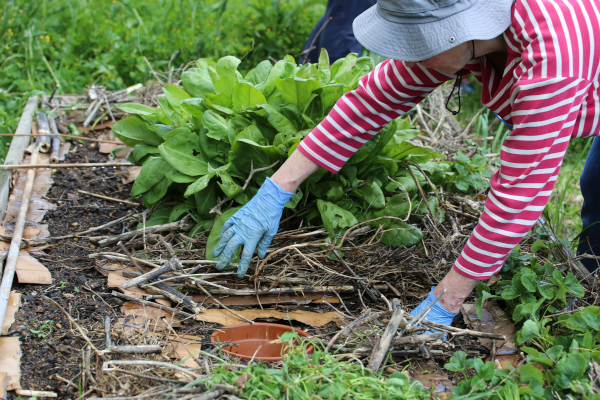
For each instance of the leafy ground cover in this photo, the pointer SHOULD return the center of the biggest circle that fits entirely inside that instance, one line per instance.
(200, 148)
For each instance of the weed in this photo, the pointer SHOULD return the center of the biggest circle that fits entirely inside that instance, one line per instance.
(44, 330)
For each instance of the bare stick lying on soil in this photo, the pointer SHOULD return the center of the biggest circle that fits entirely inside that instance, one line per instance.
(131, 203)
(141, 349)
(175, 296)
(183, 225)
(74, 165)
(388, 335)
(152, 304)
(172, 265)
(286, 290)
(65, 136)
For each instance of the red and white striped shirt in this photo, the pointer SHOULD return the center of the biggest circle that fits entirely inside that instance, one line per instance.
(549, 92)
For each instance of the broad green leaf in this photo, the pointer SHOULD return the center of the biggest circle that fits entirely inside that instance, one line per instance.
(213, 237)
(174, 96)
(197, 82)
(457, 362)
(193, 107)
(408, 151)
(161, 129)
(179, 177)
(335, 217)
(206, 200)
(296, 90)
(228, 186)
(260, 74)
(216, 125)
(179, 151)
(197, 186)
(253, 134)
(371, 195)
(293, 202)
(137, 109)
(173, 116)
(179, 210)
(152, 172)
(401, 234)
(225, 78)
(328, 190)
(133, 131)
(324, 67)
(538, 245)
(530, 330)
(282, 69)
(330, 94)
(529, 280)
(215, 151)
(243, 151)
(158, 191)
(509, 293)
(245, 95)
(571, 367)
(220, 102)
(140, 152)
(279, 121)
(573, 285)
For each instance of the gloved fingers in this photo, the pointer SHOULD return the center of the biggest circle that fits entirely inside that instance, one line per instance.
(263, 245)
(229, 223)
(223, 240)
(229, 250)
(247, 254)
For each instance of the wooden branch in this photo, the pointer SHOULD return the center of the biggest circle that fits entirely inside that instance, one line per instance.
(183, 225)
(87, 139)
(287, 290)
(139, 349)
(44, 132)
(172, 265)
(17, 149)
(74, 165)
(131, 203)
(151, 304)
(175, 296)
(388, 335)
(419, 338)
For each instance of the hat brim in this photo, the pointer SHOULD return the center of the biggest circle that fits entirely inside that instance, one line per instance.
(485, 20)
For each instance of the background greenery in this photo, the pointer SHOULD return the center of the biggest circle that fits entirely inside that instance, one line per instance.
(77, 43)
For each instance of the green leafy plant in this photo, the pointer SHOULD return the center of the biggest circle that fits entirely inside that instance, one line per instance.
(199, 150)
(44, 330)
(320, 375)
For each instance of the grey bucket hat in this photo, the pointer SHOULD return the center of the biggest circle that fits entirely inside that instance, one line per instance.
(415, 30)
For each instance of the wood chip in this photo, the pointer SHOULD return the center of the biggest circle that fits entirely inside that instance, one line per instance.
(10, 361)
(30, 270)
(14, 301)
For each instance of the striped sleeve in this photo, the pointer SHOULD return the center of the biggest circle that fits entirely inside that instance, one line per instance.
(384, 94)
(544, 116)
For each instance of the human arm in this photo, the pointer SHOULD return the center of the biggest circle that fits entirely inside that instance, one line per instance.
(544, 115)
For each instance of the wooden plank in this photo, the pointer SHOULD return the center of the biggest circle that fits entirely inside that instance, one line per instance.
(16, 150)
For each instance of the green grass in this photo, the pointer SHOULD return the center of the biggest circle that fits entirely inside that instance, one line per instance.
(107, 42)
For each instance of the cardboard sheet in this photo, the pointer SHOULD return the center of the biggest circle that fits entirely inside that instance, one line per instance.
(116, 278)
(30, 270)
(38, 205)
(266, 300)
(494, 320)
(185, 348)
(224, 317)
(140, 314)
(10, 361)
(14, 301)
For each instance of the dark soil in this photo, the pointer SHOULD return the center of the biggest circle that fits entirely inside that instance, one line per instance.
(51, 362)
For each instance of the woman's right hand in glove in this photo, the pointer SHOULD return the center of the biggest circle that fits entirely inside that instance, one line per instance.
(255, 224)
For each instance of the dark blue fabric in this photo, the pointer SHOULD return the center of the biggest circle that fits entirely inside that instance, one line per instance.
(337, 36)
(589, 241)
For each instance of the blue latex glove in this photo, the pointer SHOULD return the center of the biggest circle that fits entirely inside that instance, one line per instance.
(254, 224)
(437, 314)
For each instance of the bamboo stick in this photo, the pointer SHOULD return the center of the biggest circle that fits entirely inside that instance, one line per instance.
(65, 136)
(388, 335)
(55, 140)
(15, 244)
(16, 150)
(131, 203)
(74, 165)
